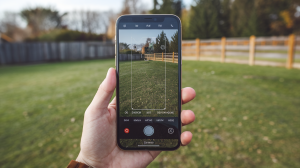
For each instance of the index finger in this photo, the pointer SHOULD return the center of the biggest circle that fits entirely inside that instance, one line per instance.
(187, 94)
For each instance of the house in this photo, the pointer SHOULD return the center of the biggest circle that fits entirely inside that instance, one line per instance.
(5, 39)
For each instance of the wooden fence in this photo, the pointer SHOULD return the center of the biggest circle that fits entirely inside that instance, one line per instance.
(258, 50)
(167, 57)
(253, 50)
(22, 53)
(128, 57)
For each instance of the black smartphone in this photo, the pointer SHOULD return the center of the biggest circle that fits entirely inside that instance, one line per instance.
(148, 65)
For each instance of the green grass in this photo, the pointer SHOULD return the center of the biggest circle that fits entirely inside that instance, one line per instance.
(245, 116)
(37, 106)
(276, 60)
(266, 51)
(149, 81)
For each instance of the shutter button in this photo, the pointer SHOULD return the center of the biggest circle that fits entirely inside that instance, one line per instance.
(148, 130)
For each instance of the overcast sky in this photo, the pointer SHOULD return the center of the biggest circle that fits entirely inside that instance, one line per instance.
(69, 5)
(139, 36)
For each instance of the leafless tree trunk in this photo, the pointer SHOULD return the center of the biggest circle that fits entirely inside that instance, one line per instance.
(133, 7)
(86, 21)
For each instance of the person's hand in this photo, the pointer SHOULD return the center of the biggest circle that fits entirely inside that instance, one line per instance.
(99, 137)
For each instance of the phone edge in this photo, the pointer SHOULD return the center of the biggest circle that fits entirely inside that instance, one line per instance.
(179, 82)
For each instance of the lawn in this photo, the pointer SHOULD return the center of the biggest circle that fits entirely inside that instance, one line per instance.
(146, 89)
(275, 60)
(271, 60)
(245, 116)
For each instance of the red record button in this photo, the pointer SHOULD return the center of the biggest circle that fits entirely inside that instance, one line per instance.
(126, 130)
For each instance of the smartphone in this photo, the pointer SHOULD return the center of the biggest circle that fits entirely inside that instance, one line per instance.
(148, 65)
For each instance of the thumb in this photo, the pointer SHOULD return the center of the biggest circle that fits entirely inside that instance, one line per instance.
(105, 91)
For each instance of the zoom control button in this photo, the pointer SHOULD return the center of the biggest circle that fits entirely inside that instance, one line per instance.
(148, 130)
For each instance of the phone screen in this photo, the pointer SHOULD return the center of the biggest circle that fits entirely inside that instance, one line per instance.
(149, 82)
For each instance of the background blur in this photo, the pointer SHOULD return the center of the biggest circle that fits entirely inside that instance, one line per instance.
(54, 54)
(93, 20)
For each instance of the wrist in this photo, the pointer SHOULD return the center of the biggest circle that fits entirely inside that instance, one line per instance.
(81, 159)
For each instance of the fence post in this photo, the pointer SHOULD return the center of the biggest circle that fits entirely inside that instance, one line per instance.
(291, 47)
(154, 56)
(252, 50)
(173, 58)
(162, 56)
(2, 56)
(223, 49)
(197, 48)
(274, 42)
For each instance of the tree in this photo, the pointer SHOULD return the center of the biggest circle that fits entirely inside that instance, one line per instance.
(133, 7)
(241, 18)
(91, 21)
(278, 17)
(124, 46)
(129, 7)
(185, 22)
(167, 7)
(155, 4)
(205, 19)
(9, 25)
(225, 17)
(177, 7)
(244, 18)
(174, 43)
(86, 21)
(162, 43)
(40, 19)
(263, 17)
(148, 47)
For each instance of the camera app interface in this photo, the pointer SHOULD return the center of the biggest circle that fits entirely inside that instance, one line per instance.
(148, 85)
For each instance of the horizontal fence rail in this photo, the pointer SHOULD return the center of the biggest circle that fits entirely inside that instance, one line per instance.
(128, 57)
(284, 48)
(22, 53)
(167, 57)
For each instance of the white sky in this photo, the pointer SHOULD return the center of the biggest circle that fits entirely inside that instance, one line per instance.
(69, 5)
(139, 36)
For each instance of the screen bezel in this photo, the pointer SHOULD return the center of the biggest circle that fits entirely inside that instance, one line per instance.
(158, 19)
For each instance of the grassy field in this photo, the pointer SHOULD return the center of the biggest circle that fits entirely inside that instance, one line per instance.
(271, 60)
(245, 116)
(149, 81)
(276, 60)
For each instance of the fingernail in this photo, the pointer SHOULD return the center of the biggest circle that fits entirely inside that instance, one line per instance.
(108, 72)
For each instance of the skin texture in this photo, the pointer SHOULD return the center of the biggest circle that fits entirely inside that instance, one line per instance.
(99, 142)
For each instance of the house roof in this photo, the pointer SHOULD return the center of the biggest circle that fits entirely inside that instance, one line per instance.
(6, 38)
